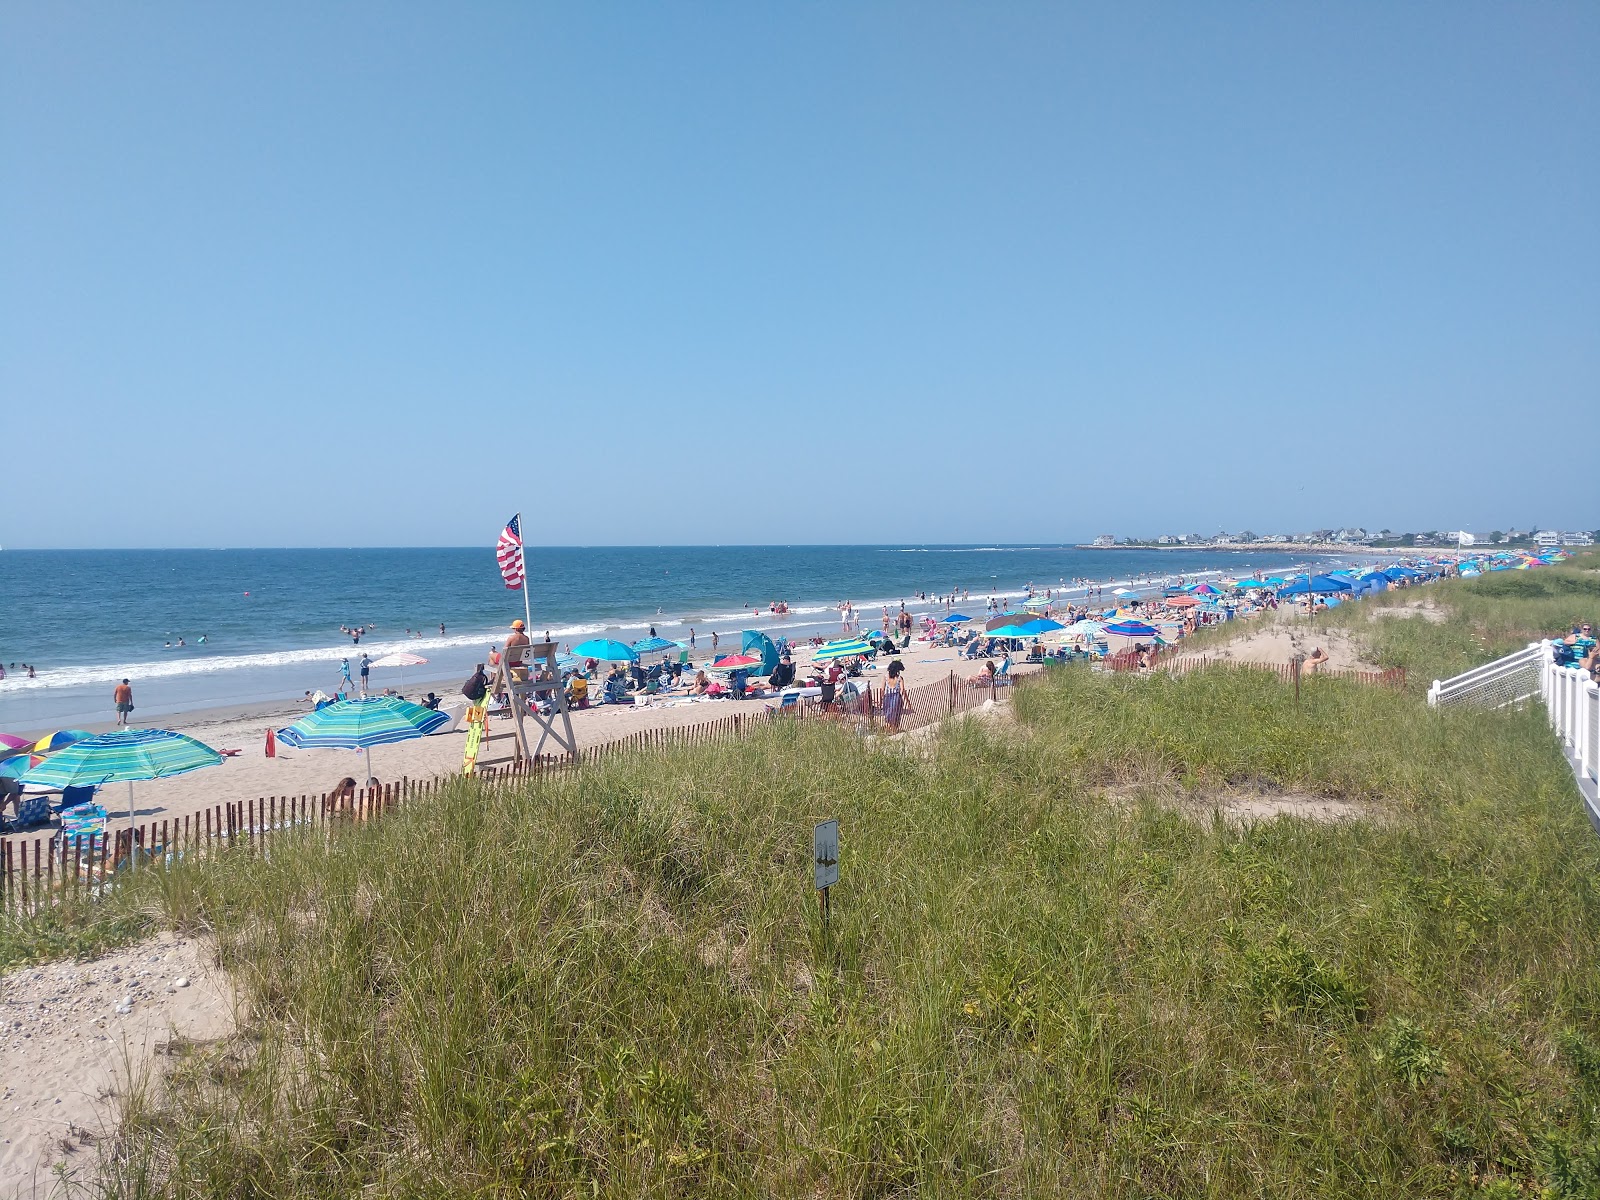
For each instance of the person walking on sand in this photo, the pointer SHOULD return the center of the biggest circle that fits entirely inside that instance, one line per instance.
(895, 703)
(366, 668)
(122, 697)
(714, 641)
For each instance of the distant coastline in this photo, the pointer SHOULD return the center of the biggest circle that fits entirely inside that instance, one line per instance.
(1301, 548)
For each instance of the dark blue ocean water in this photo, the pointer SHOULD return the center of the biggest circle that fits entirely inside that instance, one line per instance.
(271, 618)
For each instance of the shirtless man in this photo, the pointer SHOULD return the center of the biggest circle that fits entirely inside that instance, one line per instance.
(122, 697)
(515, 652)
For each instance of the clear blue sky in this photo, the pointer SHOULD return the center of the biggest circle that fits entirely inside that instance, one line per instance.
(277, 274)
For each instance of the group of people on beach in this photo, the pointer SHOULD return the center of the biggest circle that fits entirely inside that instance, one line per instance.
(26, 668)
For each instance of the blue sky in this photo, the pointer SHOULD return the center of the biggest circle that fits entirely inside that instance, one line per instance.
(289, 274)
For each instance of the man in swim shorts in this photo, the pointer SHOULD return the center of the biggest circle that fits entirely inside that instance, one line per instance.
(122, 697)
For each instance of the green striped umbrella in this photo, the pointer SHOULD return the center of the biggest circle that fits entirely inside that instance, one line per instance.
(123, 756)
(362, 724)
(848, 648)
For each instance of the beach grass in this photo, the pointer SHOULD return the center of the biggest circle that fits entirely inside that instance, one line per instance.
(1050, 969)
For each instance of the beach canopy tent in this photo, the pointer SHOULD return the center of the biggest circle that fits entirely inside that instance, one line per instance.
(844, 648)
(362, 724)
(954, 619)
(606, 650)
(757, 644)
(124, 756)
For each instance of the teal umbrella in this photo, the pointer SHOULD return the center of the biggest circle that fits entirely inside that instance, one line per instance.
(848, 648)
(123, 756)
(607, 650)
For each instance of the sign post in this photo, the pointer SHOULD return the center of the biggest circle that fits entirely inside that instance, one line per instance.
(825, 861)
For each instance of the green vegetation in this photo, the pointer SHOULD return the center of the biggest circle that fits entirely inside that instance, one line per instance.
(1484, 618)
(1040, 979)
(1050, 971)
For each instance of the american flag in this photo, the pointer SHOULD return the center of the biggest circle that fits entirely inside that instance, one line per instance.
(508, 552)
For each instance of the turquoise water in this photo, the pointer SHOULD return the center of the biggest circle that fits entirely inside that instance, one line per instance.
(271, 618)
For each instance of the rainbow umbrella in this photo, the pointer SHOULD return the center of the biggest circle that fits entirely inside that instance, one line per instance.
(60, 739)
(10, 741)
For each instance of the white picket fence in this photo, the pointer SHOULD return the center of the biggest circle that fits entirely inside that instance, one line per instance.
(1570, 698)
(1509, 680)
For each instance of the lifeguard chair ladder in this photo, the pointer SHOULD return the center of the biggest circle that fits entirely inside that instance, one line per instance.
(541, 682)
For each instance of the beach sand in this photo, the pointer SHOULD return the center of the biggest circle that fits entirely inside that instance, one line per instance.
(71, 1055)
(312, 772)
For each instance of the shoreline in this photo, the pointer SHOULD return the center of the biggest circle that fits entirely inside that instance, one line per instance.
(265, 682)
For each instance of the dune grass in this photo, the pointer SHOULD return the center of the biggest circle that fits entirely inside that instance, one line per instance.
(1039, 978)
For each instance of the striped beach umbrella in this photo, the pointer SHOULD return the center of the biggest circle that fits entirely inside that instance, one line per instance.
(123, 756)
(847, 648)
(362, 724)
(654, 645)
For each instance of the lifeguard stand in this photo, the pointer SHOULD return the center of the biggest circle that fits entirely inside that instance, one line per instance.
(541, 680)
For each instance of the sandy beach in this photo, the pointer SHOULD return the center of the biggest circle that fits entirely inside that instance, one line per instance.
(251, 773)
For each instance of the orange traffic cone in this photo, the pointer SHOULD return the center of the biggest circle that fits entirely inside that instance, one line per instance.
(272, 745)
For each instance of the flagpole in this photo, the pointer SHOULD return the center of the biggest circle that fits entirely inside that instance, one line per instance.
(527, 611)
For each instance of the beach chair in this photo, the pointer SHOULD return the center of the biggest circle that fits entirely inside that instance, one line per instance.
(1003, 675)
(32, 812)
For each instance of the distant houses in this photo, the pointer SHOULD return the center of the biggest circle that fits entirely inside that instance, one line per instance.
(1355, 535)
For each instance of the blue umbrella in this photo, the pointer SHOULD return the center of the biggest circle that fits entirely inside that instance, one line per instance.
(1329, 583)
(607, 650)
(955, 619)
(651, 645)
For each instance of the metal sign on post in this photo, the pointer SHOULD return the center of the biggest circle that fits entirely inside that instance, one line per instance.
(825, 860)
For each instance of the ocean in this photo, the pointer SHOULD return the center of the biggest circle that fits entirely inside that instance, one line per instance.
(271, 618)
